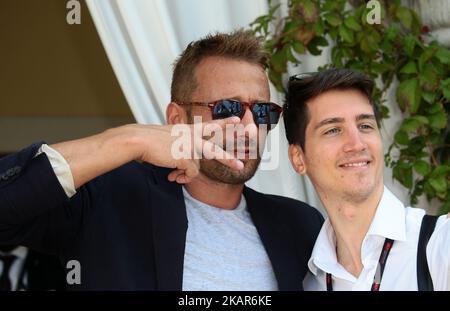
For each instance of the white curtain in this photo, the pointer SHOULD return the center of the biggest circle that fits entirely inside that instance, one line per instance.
(142, 38)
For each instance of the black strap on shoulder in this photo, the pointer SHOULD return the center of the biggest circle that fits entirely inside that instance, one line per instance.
(424, 281)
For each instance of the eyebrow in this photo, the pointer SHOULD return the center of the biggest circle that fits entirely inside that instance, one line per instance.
(365, 116)
(328, 121)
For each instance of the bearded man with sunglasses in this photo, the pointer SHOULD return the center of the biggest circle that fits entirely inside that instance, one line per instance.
(134, 216)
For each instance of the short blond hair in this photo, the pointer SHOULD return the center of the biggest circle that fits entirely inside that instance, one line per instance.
(240, 44)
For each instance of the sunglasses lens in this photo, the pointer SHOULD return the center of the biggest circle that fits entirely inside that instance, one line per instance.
(263, 113)
(266, 113)
(227, 108)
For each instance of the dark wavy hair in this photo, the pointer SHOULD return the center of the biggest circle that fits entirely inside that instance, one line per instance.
(303, 88)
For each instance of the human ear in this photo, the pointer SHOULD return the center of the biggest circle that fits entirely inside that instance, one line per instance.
(175, 114)
(297, 158)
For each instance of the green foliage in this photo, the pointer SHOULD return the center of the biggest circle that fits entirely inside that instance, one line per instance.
(398, 49)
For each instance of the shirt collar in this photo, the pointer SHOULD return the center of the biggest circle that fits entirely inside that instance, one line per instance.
(240, 208)
(324, 254)
(388, 222)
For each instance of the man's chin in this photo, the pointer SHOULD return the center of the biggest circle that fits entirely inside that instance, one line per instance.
(219, 172)
(359, 193)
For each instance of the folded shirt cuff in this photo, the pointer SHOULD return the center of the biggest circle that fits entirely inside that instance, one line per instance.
(61, 169)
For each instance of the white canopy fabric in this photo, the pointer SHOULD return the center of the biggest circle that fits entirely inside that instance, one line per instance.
(142, 38)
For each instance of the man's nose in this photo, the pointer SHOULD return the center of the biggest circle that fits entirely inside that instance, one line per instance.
(247, 118)
(354, 142)
(250, 128)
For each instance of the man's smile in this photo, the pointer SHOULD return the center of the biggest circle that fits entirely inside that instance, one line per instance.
(356, 164)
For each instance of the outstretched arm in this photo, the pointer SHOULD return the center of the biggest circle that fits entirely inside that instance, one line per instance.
(95, 155)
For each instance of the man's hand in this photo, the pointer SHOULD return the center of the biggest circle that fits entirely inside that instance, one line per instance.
(157, 142)
(95, 155)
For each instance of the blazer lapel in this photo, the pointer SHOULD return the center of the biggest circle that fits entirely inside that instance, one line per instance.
(277, 239)
(169, 223)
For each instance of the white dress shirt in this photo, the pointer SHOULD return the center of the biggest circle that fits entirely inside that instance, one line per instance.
(392, 220)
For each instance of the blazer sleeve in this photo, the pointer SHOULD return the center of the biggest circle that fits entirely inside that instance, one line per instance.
(34, 208)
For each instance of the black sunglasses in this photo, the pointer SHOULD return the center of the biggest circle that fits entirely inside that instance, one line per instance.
(263, 113)
(301, 76)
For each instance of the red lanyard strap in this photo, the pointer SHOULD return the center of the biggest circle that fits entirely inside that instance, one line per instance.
(378, 273)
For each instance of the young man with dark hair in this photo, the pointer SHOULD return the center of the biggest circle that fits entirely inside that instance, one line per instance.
(170, 223)
(370, 241)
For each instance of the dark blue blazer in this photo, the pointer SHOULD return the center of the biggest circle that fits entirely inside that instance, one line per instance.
(127, 228)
